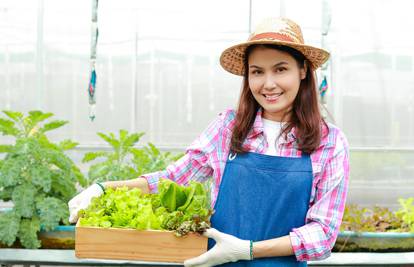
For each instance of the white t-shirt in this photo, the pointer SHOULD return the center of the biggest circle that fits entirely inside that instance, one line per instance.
(272, 130)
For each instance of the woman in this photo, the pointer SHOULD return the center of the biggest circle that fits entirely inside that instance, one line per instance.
(280, 171)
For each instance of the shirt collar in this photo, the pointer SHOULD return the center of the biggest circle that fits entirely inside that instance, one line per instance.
(258, 128)
(257, 125)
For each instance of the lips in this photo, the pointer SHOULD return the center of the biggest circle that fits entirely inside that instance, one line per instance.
(272, 97)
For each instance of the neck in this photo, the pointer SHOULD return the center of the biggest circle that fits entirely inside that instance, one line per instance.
(275, 117)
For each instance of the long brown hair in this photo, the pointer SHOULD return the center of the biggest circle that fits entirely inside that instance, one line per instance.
(305, 116)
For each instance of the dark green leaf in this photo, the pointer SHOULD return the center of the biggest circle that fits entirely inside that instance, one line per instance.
(28, 233)
(41, 176)
(57, 160)
(9, 227)
(22, 197)
(62, 187)
(6, 193)
(51, 211)
(11, 169)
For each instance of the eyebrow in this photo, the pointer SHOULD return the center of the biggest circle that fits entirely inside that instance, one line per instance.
(276, 65)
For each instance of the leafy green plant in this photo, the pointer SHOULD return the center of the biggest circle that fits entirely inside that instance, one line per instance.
(406, 212)
(36, 176)
(125, 161)
(377, 219)
(150, 159)
(182, 209)
(117, 163)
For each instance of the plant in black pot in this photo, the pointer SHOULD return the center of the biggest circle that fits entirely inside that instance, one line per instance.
(36, 175)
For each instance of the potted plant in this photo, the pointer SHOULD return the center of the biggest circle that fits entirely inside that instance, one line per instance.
(37, 176)
(378, 229)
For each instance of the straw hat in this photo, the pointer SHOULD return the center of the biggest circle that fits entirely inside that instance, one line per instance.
(278, 31)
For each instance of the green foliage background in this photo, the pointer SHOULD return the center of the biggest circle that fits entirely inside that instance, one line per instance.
(125, 161)
(39, 178)
(379, 219)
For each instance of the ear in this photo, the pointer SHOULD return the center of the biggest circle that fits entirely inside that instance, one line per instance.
(303, 70)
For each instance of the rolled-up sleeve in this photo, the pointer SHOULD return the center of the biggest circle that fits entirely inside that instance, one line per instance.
(195, 164)
(314, 240)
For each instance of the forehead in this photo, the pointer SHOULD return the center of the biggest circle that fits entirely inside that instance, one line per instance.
(263, 55)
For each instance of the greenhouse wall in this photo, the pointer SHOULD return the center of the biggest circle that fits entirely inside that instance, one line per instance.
(158, 72)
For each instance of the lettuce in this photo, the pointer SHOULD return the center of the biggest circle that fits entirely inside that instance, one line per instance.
(171, 194)
(178, 208)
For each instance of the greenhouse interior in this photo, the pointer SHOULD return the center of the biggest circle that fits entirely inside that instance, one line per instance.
(140, 133)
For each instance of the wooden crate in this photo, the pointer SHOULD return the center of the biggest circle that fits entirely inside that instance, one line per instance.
(130, 244)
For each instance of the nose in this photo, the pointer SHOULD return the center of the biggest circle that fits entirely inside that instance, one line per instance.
(269, 82)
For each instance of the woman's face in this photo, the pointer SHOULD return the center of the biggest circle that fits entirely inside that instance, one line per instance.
(274, 79)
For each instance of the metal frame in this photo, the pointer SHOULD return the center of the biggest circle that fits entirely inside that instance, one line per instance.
(37, 257)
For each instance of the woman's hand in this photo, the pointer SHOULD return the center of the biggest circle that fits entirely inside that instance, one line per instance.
(82, 201)
(227, 249)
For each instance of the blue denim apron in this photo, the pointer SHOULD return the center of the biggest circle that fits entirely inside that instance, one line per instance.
(263, 197)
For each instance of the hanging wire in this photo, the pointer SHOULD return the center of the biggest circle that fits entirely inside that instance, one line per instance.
(92, 78)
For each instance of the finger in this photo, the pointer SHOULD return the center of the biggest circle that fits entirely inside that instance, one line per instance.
(212, 233)
(73, 218)
(73, 211)
(198, 261)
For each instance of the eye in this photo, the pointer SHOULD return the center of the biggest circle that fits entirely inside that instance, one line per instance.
(256, 72)
(281, 69)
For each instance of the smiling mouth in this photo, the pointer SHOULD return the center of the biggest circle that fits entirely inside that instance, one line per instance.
(272, 96)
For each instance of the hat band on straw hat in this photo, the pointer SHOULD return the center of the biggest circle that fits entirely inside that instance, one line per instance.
(272, 35)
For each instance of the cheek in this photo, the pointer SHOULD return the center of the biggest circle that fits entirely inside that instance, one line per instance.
(254, 85)
(291, 85)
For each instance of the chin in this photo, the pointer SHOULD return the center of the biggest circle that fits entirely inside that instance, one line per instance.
(272, 109)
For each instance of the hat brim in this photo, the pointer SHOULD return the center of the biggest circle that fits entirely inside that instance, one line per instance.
(232, 59)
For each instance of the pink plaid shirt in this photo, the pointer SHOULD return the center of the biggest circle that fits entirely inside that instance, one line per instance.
(207, 156)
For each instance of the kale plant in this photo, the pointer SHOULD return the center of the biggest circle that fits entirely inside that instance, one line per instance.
(36, 175)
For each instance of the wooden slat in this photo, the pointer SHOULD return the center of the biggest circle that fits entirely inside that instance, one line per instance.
(130, 244)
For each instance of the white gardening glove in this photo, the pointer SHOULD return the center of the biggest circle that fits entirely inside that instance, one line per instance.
(82, 201)
(227, 249)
